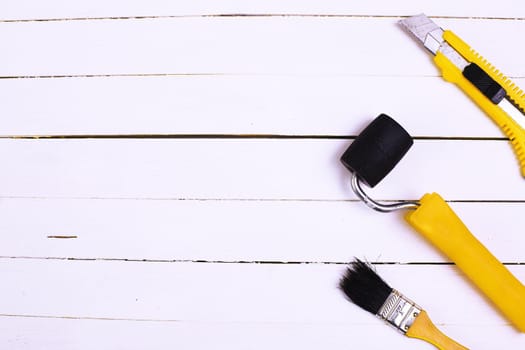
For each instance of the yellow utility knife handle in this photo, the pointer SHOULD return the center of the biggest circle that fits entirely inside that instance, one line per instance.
(437, 222)
(451, 73)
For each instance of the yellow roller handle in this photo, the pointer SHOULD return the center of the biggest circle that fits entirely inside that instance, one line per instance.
(424, 329)
(437, 222)
(507, 124)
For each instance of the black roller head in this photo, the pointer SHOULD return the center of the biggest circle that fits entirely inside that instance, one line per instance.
(377, 150)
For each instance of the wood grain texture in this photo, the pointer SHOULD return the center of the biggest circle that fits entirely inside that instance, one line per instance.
(191, 196)
(241, 45)
(249, 231)
(30, 333)
(304, 293)
(243, 105)
(31, 9)
(237, 296)
(249, 169)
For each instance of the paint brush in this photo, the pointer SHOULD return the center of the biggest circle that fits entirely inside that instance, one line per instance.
(365, 288)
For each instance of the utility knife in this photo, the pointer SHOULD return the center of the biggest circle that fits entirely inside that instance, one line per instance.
(501, 99)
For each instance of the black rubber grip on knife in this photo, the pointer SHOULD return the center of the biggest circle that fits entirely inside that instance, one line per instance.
(377, 150)
(488, 86)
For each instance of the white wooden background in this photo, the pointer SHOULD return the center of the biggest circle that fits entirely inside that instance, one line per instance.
(170, 173)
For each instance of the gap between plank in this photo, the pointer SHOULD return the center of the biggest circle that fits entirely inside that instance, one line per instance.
(241, 262)
(118, 75)
(244, 15)
(237, 136)
(90, 318)
(480, 201)
(151, 75)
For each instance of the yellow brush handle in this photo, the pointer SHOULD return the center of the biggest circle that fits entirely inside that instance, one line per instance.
(438, 223)
(451, 73)
(424, 329)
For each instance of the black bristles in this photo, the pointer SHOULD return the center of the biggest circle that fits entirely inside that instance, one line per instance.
(364, 287)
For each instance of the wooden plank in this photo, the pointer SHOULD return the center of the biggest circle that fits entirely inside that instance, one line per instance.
(248, 169)
(277, 231)
(283, 105)
(270, 45)
(199, 242)
(31, 9)
(31, 333)
(238, 294)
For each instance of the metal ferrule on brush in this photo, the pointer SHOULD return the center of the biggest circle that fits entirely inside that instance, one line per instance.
(399, 311)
